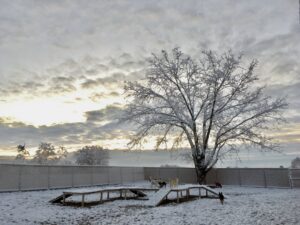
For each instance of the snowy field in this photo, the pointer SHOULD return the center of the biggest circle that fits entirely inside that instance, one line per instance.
(244, 206)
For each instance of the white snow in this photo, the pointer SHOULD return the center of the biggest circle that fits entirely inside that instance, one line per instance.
(245, 206)
(156, 197)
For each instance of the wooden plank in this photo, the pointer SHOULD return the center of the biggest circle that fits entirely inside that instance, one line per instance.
(156, 199)
(60, 198)
(111, 189)
(138, 193)
(101, 196)
(82, 200)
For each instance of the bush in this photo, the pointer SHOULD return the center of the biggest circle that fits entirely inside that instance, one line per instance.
(295, 163)
(92, 155)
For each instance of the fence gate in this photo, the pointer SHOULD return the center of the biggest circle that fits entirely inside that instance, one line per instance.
(294, 178)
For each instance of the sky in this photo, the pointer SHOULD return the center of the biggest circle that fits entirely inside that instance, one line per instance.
(63, 63)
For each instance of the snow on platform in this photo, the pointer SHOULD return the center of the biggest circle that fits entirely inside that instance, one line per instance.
(157, 197)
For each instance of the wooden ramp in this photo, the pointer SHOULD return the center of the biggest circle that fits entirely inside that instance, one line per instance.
(158, 197)
(138, 193)
(60, 198)
(104, 194)
(182, 191)
(211, 190)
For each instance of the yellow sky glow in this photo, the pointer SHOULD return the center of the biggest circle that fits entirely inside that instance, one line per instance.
(53, 110)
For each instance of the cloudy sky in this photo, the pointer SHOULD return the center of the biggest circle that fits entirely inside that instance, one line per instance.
(63, 62)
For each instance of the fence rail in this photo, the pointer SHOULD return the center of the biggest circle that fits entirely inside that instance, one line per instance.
(294, 177)
(38, 177)
(257, 177)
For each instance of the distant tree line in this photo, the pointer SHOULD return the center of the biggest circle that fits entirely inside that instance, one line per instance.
(47, 153)
(92, 155)
(295, 163)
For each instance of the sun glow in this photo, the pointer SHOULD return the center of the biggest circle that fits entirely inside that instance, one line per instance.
(53, 110)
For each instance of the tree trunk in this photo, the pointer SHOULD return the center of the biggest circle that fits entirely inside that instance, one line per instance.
(201, 171)
(201, 175)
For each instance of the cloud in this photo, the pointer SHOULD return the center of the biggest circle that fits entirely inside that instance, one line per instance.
(87, 51)
(89, 83)
(97, 97)
(114, 80)
(71, 76)
(292, 94)
(103, 30)
(109, 113)
(15, 132)
(61, 84)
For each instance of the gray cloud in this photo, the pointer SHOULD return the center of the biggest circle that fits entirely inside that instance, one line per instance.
(14, 132)
(65, 28)
(134, 29)
(290, 91)
(90, 72)
(89, 83)
(97, 97)
(61, 84)
(55, 47)
(114, 79)
(109, 113)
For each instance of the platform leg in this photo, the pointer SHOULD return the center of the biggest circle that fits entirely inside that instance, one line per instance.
(82, 201)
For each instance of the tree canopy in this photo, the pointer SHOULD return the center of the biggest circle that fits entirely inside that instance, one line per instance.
(92, 155)
(213, 102)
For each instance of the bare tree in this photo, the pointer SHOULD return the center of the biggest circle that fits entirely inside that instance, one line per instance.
(212, 103)
(92, 155)
(61, 152)
(23, 154)
(46, 153)
(295, 163)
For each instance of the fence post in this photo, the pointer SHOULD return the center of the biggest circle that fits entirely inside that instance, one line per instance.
(159, 172)
(134, 174)
(92, 176)
(72, 176)
(19, 178)
(108, 174)
(290, 178)
(239, 177)
(48, 176)
(121, 175)
(265, 178)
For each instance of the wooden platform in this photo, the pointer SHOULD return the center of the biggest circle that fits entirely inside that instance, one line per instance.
(104, 194)
(182, 191)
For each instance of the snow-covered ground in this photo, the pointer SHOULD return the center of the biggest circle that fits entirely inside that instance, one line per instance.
(244, 206)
